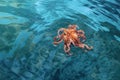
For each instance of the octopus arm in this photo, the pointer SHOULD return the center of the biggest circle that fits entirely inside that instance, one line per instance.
(81, 31)
(57, 42)
(60, 30)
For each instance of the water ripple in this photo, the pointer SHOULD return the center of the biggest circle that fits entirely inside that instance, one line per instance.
(94, 10)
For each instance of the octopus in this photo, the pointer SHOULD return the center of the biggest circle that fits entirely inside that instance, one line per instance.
(71, 36)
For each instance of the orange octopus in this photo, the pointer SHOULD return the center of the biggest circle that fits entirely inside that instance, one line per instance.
(72, 36)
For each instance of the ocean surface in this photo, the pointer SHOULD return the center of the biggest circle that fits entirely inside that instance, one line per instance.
(27, 29)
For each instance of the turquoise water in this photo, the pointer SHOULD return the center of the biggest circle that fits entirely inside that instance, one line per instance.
(27, 29)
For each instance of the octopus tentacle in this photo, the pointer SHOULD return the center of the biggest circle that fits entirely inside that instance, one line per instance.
(81, 45)
(88, 47)
(55, 38)
(81, 31)
(67, 48)
(61, 29)
(81, 34)
(57, 42)
(84, 46)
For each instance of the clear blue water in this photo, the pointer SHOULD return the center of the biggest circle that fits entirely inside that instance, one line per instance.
(27, 29)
